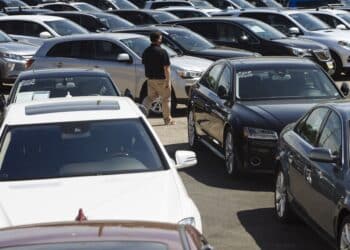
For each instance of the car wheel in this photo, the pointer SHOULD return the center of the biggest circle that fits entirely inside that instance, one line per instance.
(231, 161)
(338, 66)
(191, 128)
(344, 234)
(282, 208)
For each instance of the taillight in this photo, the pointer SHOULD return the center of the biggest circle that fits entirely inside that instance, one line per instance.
(29, 63)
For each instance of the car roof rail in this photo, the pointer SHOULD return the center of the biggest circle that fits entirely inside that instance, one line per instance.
(83, 105)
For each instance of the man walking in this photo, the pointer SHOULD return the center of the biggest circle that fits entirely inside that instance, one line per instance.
(157, 70)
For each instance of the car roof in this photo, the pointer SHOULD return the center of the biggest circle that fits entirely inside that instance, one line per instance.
(35, 18)
(250, 62)
(71, 109)
(43, 73)
(98, 231)
(92, 36)
(148, 11)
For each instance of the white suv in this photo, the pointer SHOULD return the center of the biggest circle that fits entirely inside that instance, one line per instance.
(98, 154)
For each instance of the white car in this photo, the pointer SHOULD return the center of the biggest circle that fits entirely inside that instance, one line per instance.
(34, 29)
(97, 155)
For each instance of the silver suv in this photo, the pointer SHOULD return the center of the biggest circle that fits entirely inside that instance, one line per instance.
(120, 55)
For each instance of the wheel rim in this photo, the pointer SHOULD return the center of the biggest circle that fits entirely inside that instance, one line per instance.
(280, 195)
(156, 106)
(345, 237)
(191, 129)
(229, 155)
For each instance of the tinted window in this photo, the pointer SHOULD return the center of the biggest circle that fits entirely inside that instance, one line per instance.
(187, 14)
(113, 22)
(189, 40)
(224, 85)
(161, 17)
(33, 29)
(211, 78)
(90, 23)
(75, 49)
(60, 7)
(310, 128)
(168, 4)
(107, 51)
(262, 30)
(206, 29)
(46, 88)
(309, 22)
(77, 149)
(12, 27)
(331, 136)
(221, 4)
(65, 27)
(331, 21)
(137, 18)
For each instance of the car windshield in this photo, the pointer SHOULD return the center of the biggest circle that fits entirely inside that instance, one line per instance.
(114, 22)
(310, 22)
(243, 4)
(90, 245)
(189, 40)
(124, 4)
(281, 82)
(15, 3)
(345, 16)
(139, 44)
(262, 30)
(161, 17)
(86, 7)
(4, 38)
(65, 27)
(86, 148)
(46, 88)
(200, 4)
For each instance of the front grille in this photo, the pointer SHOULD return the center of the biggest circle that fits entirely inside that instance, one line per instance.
(322, 55)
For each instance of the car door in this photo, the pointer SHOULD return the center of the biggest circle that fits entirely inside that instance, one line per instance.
(122, 73)
(306, 134)
(205, 99)
(325, 176)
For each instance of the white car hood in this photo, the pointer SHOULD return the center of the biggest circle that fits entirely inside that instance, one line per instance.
(190, 63)
(334, 33)
(143, 196)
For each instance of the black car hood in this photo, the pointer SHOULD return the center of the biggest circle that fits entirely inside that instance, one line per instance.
(220, 53)
(300, 43)
(274, 115)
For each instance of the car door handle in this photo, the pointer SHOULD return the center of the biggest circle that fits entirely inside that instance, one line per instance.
(308, 175)
(59, 64)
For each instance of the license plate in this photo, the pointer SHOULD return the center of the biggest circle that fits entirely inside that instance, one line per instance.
(330, 65)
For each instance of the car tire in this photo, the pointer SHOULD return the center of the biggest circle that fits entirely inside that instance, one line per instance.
(231, 156)
(338, 66)
(282, 207)
(344, 234)
(191, 131)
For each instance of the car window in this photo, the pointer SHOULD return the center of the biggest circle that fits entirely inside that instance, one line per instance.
(161, 17)
(113, 22)
(107, 51)
(309, 129)
(86, 148)
(206, 29)
(211, 78)
(221, 4)
(53, 87)
(90, 23)
(309, 22)
(12, 27)
(65, 27)
(73, 18)
(124, 4)
(261, 30)
(331, 135)
(33, 29)
(281, 23)
(224, 84)
(331, 21)
(74, 49)
(168, 4)
(189, 40)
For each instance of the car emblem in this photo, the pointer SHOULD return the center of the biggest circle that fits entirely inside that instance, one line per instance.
(81, 216)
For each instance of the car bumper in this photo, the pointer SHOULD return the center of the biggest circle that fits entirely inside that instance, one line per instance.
(10, 69)
(182, 87)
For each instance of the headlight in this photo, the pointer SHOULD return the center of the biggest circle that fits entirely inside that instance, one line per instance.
(300, 52)
(260, 134)
(188, 221)
(11, 56)
(187, 74)
(344, 44)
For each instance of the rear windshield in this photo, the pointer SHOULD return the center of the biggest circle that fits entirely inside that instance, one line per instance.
(284, 83)
(86, 148)
(46, 88)
(113, 245)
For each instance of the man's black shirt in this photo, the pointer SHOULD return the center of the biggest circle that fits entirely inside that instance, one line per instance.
(155, 58)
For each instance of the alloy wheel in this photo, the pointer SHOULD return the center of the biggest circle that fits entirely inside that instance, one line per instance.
(280, 195)
(345, 237)
(191, 129)
(229, 154)
(156, 106)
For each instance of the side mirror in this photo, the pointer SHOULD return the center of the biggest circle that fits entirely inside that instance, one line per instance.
(244, 39)
(294, 31)
(322, 155)
(185, 159)
(345, 88)
(45, 35)
(222, 92)
(123, 57)
(341, 27)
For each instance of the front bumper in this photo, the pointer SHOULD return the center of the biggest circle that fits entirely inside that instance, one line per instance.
(10, 69)
(181, 88)
(259, 154)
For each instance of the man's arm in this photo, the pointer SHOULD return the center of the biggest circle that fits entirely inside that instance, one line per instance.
(167, 75)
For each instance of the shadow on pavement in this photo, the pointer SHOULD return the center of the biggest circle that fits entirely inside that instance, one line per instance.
(210, 171)
(270, 234)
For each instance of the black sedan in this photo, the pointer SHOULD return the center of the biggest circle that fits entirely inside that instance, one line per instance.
(312, 177)
(239, 106)
(186, 42)
(256, 36)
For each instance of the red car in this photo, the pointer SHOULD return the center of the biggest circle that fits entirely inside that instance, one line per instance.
(103, 235)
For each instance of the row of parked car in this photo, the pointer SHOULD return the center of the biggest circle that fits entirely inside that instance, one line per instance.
(260, 95)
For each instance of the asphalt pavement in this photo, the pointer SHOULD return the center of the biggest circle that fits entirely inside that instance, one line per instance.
(236, 214)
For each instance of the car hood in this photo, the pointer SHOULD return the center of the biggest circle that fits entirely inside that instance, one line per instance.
(300, 43)
(274, 114)
(150, 196)
(18, 48)
(333, 33)
(219, 53)
(190, 63)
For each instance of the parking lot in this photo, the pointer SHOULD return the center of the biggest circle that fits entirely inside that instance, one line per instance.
(236, 214)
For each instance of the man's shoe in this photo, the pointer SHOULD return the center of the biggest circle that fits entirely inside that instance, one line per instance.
(169, 122)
